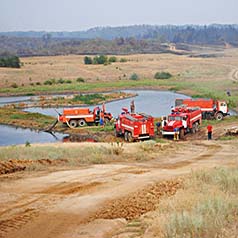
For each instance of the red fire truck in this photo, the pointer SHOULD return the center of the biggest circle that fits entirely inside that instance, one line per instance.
(210, 108)
(74, 117)
(134, 126)
(182, 120)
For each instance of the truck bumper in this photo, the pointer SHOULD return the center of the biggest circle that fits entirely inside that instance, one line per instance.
(142, 136)
(167, 133)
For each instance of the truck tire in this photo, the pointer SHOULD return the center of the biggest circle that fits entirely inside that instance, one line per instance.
(126, 136)
(219, 116)
(194, 128)
(73, 123)
(129, 137)
(82, 122)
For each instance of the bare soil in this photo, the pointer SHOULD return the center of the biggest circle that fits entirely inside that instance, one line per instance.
(101, 200)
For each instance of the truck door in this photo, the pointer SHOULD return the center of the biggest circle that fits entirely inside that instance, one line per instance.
(223, 107)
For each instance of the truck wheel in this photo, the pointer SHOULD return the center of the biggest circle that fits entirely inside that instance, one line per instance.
(181, 133)
(73, 123)
(219, 116)
(129, 137)
(82, 122)
(194, 129)
(196, 126)
(126, 136)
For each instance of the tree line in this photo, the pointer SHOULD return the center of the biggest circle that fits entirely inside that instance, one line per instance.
(116, 40)
(10, 61)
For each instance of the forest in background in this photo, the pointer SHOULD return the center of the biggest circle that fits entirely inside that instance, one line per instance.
(117, 40)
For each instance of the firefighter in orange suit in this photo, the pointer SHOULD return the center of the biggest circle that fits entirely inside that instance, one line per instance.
(209, 132)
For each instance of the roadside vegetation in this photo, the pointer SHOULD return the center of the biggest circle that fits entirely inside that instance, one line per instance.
(39, 157)
(207, 206)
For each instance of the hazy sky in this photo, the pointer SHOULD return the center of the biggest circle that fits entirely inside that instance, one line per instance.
(73, 15)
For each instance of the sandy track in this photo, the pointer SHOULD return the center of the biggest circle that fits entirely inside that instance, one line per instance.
(234, 75)
(65, 203)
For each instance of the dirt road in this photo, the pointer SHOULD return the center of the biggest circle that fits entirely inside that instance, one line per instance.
(98, 200)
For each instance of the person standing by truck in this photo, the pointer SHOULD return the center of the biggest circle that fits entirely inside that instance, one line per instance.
(101, 120)
(158, 127)
(176, 134)
(209, 132)
(132, 106)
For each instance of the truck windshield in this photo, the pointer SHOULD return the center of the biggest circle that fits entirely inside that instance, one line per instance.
(175, 118)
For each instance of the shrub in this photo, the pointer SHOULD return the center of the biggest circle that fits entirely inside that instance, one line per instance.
(88, 60)
(68, 81)
(38, 83)
(27, 144)
(123, 60)
(162, 75)
(10, 61)
(102, 59)
(48, 82)
(116, 149)
(80, 80)
(60, 81)
(147, 146)
(134, 76)
(112, 59)
(14, 85)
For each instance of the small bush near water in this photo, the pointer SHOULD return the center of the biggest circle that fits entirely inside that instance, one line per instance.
(134, 77)
(162, 75)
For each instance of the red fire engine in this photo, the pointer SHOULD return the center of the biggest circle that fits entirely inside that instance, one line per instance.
(182, 120)
(74, 117)
(210, 108)
(134, 126)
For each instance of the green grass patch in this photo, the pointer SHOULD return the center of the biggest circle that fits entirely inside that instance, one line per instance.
(107, 128)
(228, 138)
(200, 89)
(223, 122)
(89, 98)
(25, 119)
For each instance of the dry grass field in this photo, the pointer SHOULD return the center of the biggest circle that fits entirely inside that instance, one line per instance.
(183, 67)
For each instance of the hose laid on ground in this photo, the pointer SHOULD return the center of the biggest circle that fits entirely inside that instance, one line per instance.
(51, 127)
